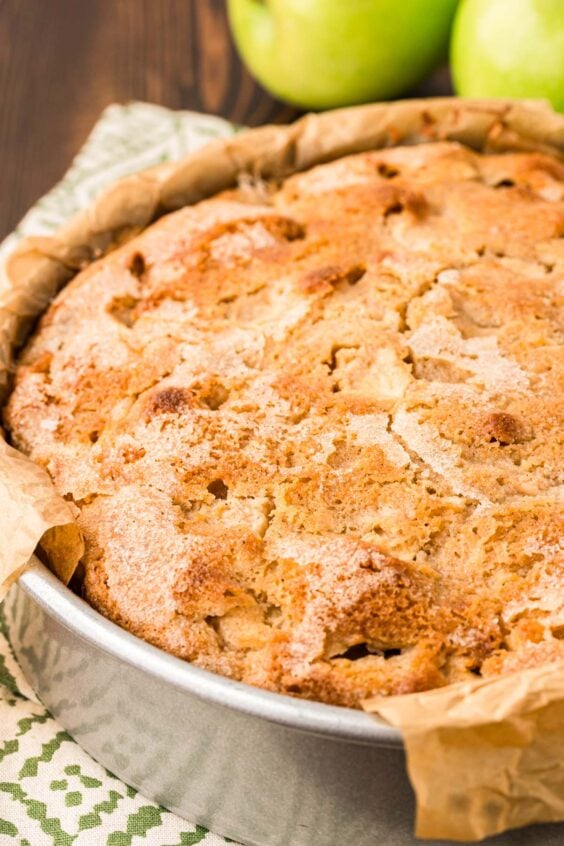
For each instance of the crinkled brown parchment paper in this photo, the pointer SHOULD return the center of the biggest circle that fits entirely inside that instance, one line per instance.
(482, 757)
(30, 509)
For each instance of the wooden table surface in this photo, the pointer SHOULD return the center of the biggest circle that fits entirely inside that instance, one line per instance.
(63, 61)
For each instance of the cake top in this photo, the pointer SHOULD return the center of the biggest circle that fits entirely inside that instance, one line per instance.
(314, 430)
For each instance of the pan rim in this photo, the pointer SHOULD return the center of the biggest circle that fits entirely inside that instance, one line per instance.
(83, 621)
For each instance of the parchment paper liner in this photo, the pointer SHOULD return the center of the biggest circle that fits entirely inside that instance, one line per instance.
(482, 756)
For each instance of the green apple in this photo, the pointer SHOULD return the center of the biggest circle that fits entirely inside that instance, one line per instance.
(509, 48)
(324, 53)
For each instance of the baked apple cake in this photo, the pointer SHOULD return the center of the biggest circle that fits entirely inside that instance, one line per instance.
(313, 426)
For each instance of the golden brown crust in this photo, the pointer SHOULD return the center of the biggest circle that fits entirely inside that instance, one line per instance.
(313, 429)
(40, 266)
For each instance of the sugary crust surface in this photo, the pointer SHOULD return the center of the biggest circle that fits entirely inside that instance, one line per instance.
(315, 430)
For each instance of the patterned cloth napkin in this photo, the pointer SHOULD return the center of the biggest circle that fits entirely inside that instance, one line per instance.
(51, 792)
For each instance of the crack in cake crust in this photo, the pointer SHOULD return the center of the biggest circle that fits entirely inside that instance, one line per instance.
(315, 430)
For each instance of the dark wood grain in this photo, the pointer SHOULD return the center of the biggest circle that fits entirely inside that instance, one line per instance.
(63, 61)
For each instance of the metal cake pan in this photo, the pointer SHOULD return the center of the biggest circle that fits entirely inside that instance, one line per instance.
(259, 767)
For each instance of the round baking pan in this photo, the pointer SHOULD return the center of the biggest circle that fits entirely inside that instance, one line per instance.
(259, 767)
